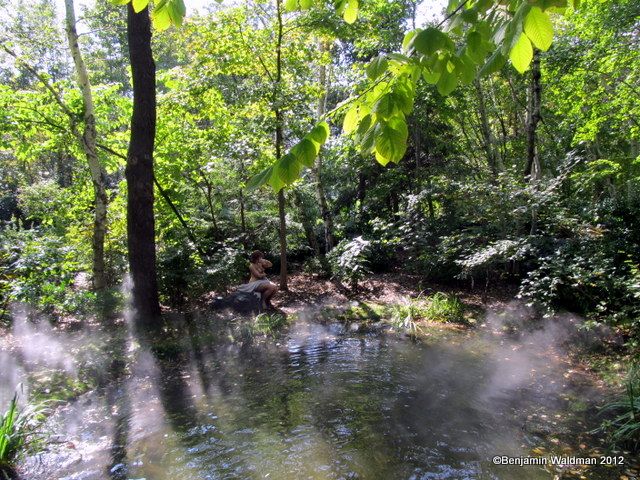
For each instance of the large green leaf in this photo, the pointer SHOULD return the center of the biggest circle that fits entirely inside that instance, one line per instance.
(139, 5)
(391, 140)
(494, 64)
(353, 116)
(288, 169)
(522, 54)
(538, 27)
(385, 107)
(377, 67)
(429, 41)
(407, 42)
(275, 181)
(306, 152)
(319, 133)
(350, 14)
(260, 179)
(447, 82)
(290, 5)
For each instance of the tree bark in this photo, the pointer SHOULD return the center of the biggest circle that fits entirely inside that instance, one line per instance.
(487, 137)
(139, 171)
(532, 168)
(327, 218)
(88, 142)
(279, 145)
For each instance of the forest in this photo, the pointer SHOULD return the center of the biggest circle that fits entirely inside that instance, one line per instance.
(443, 195)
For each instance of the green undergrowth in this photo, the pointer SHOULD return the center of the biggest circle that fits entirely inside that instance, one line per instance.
(19, 434)
(410, 313)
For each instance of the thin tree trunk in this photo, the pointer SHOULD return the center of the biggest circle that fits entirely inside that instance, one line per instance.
(487, 137)
(139, 171)
(532, 169)
(88, 142)
(243, 221)
(279, 145)
(183, 222)
(327, 218)
(307, 223)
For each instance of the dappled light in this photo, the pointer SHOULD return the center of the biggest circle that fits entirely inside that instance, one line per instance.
(320, 239)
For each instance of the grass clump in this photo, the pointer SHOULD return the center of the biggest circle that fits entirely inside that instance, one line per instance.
(624, 428)
(269, 323)
(443, 307)
(407, 315)
(18, 433)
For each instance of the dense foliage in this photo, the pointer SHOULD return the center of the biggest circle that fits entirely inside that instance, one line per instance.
(485, 195)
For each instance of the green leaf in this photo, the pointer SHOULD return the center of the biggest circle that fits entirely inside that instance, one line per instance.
(366, 135)
(290, 5)
(522, 54)
(447, 83)
(167, 13)
(260, 179)
(139, 5)
(430, 76)
(305, 4)
(365, 123)
(353, 116)
(377, 67)
(275, 181)
(319, 133)
(470, 15)
(350, 14)
(306, 152)
(538, 27)
(429, 41)
(391, 140)
(407, 43)
(385, 107)
(495, 63)
(288, 169)
(161, 19)
(465, 69)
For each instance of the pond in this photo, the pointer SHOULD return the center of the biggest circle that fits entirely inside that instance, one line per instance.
(209, 400)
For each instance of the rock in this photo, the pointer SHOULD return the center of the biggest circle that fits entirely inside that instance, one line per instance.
(240, 302)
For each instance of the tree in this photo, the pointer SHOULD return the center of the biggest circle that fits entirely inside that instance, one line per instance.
(88, 140)
(139, 172)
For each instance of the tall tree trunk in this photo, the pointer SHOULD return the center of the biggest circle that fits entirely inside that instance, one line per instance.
(327, 218)
(139, 171)
(88, 141)
(243, 221)
(487, 137)
(533, 118)
(532, 169)
(307, 222)
(279, 145)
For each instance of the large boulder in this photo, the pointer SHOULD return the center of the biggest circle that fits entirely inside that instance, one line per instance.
(240, 302)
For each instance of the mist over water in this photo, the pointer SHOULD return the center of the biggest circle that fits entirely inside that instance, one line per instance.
(318, 402)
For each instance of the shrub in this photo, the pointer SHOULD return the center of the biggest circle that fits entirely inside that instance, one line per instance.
(40, 269)
(349, 262)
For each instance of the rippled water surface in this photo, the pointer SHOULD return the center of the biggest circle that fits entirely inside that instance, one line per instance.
(319, 402)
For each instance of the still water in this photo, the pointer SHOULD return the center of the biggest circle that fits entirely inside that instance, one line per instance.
(210, 401)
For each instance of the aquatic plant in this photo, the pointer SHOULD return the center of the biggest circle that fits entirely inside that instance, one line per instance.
(18, 432)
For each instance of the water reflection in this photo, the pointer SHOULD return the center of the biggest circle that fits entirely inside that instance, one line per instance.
(200, 399)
